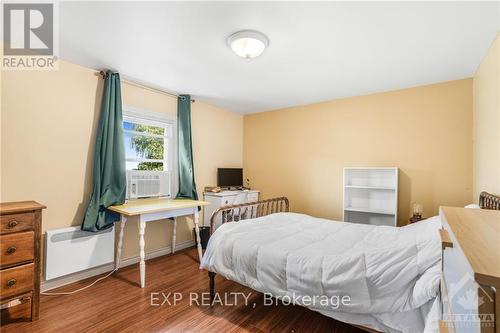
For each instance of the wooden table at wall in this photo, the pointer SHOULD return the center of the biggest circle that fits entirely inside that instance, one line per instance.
(152, 210)
(471, 270)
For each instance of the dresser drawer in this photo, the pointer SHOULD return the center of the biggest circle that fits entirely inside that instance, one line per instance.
(16, 309)
(16, 280)
(252, 197)
(16, 222)
(228, 200)
(16, 248)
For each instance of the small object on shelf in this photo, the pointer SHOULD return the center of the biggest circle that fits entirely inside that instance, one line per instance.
(416, 217)
(213, 189)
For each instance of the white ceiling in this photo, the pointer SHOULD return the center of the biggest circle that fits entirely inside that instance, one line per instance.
(318, 51)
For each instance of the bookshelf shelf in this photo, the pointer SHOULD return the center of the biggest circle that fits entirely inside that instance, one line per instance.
(371, 195)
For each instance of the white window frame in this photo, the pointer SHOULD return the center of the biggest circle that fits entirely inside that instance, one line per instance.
(146, 117)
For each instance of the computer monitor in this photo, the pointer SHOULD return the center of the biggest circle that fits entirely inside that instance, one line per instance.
(230, 177)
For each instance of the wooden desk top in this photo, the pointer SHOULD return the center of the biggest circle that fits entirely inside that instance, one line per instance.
(144, 206)
(478, 234)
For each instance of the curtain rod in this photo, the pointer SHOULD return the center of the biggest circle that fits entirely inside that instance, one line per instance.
(140, 85)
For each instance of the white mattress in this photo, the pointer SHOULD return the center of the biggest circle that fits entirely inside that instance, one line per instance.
(390, 274)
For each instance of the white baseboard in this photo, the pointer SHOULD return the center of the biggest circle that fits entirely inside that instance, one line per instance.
(64, 280)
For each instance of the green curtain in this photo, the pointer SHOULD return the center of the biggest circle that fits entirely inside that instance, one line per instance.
(187, 186)
(109, 179)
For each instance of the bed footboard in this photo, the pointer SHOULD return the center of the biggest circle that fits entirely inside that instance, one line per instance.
(249, 210)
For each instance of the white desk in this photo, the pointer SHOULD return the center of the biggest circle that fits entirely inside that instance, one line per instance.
(152, 210)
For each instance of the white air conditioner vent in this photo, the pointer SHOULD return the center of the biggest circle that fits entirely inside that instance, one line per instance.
(146, 184)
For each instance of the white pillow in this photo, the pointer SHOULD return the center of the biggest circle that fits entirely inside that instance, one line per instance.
(473, 206)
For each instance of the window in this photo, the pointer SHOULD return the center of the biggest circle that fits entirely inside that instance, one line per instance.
(148, 141)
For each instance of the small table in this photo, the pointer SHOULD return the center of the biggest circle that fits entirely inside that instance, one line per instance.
(152, 210)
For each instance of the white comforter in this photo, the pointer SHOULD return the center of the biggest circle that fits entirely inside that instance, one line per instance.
(390, 274)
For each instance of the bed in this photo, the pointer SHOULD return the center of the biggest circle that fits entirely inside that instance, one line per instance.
(391, 275)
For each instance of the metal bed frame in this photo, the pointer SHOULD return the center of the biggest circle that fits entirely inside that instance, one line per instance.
(250, 210)
(489, 201)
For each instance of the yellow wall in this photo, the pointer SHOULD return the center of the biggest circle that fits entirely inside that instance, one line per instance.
(426, 131)
(48, 125)
(487, 122)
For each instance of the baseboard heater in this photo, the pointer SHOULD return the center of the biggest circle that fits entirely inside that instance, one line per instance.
(71, 250)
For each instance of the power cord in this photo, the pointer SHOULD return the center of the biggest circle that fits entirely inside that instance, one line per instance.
(80, 289)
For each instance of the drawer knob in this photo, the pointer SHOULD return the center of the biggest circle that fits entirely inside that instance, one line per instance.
(11, 249)
(11, 282)
(12, 224)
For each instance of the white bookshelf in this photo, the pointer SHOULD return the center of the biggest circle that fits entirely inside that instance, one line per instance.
(371, 195)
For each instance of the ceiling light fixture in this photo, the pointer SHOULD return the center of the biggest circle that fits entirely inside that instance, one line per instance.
(248, 43)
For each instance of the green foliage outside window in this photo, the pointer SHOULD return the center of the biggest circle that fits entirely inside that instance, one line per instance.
(149, 147)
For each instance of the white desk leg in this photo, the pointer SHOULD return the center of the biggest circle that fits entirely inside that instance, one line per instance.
(197, 229)
(174, 234)
(142, 263)
(120, 242)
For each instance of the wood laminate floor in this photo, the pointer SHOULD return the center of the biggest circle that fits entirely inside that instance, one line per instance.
(117, 304)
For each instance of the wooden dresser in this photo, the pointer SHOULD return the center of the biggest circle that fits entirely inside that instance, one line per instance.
(20, 229)
(470, 286)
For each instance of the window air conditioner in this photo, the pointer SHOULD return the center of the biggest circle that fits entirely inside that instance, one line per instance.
(146, 184)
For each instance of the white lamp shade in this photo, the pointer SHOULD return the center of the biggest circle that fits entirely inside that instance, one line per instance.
(248, 44)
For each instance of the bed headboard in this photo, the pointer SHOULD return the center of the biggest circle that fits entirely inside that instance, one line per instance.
(489, 201)
(249, 210)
